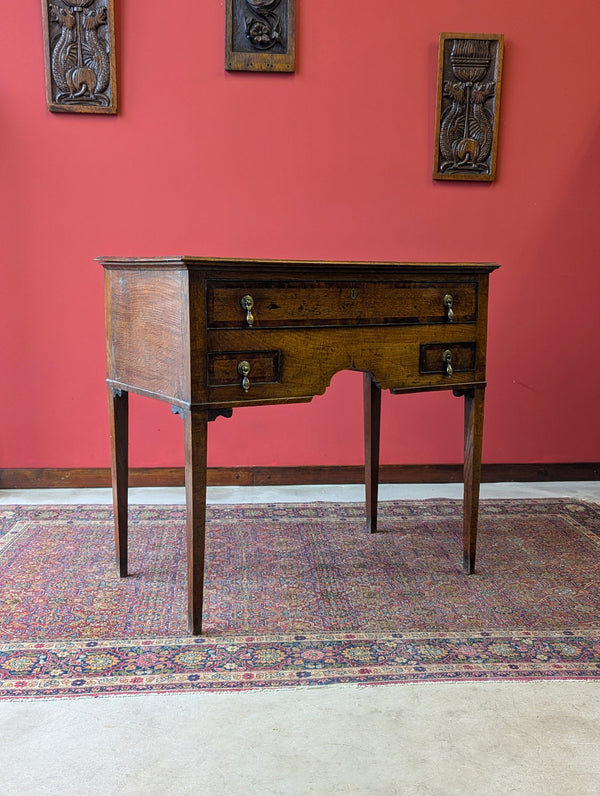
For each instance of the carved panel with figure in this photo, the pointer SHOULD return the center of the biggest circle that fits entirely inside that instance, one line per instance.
(468, 106)
(260, 35)
(79, 41)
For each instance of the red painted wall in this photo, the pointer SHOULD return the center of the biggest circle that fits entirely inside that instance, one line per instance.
(331, 162)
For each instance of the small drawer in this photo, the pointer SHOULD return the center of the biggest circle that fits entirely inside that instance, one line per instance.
(223, 367)
(433, 357)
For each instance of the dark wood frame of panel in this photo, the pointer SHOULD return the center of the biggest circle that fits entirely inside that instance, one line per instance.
(81, 72)
(260, 35)
(468, 106)
(463, 357)
(267, 362)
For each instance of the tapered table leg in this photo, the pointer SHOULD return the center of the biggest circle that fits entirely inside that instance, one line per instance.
(118, 412)
(474, 404)
(195, 431)
(372, 424)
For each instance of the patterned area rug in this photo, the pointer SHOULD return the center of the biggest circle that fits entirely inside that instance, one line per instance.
(298, 594)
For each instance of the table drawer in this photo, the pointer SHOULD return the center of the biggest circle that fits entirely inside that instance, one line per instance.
(229, 368)
(447, 358)
(272, 305)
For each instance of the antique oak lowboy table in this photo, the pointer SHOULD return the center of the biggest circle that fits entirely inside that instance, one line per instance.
(211, 335)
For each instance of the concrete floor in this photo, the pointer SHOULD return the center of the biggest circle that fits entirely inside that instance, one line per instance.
(424, 739)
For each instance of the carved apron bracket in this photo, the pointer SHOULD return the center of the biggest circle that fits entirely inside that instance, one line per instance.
(212, 414)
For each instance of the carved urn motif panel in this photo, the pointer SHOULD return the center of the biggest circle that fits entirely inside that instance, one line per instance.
(468, 106)
(80, 56)
(260, 35)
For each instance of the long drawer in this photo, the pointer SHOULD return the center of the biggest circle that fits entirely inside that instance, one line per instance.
(272, 305)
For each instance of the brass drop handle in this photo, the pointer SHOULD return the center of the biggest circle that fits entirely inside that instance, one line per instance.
(247, 303)
(244, 371)
(447, 357)
(448, 302)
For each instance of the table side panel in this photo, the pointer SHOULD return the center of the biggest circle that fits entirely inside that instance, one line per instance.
(147, 328)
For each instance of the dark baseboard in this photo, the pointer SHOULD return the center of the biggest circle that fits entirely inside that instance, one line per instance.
(82, 478)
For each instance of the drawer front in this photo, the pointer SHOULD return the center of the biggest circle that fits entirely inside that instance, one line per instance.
(276, 305)
(293, 364)
(227, 368)
(438, 357)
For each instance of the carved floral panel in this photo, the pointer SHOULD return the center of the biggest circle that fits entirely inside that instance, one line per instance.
(468, 106)
(260, 35)
(79, 45)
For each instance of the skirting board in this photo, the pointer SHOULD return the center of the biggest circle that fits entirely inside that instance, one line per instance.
(83, 478)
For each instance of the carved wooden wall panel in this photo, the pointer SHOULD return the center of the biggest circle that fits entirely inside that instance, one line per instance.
(79, 42)
(468, 106)
(260, 35)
